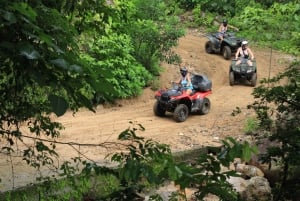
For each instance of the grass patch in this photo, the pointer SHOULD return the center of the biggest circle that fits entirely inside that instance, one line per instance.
(251, 126)
(75, 188)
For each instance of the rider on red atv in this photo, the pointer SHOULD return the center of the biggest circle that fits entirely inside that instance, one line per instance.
(186, 96)
(185, 81)
(187, 87)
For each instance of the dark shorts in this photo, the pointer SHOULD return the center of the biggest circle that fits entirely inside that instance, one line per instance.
(221, 35)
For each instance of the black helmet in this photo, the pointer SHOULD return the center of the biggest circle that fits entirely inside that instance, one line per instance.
(183, 71)
(225, 22)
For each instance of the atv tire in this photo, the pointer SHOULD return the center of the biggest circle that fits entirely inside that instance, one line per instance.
(253, 79)
(158, 110)
(181, 113)
(231, 78)
(226, 52)
(209, 47)
(205, 106)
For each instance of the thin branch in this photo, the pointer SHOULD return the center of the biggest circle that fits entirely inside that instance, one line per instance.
(103, 144)
(12, 171)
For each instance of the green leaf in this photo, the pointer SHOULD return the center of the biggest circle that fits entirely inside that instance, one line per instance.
(10, 17)
(247, 152)
(46, 38)
(59, 105)
(26, 10)
(76, 68)
(29, 52)
(179, 172)
(61, 63)
(269, 36)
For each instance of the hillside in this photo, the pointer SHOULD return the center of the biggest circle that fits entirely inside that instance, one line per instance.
(108, 122)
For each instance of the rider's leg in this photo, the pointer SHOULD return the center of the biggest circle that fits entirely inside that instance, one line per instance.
(250, 62)
(221, 39)
(189, 91)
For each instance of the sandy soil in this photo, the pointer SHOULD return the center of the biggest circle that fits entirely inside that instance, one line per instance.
(108, 122)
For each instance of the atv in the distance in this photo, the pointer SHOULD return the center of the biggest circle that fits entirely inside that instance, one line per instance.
(181, 104)
(242, 73)
(227, 48)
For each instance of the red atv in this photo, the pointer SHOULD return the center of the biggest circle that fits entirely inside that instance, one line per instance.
(179, 103)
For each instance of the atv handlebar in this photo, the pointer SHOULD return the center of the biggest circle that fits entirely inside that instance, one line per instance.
(240, 58)
(176, 86)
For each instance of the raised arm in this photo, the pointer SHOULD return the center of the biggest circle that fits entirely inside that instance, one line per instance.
(233, 27)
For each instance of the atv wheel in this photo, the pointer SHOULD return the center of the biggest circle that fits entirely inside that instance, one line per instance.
(158, 110)
(181, 113)
(253, 79)
(226, 52)
(209, 47)
(231, 78)
(205, 106)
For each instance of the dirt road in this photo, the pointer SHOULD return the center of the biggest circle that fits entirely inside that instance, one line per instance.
(108, 122)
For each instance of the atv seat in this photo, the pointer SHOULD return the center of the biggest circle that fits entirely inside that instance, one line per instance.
(216, 35)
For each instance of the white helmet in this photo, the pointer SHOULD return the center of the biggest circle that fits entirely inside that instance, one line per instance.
(244, 42)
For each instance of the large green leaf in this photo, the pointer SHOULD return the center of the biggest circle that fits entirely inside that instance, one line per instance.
(29, 52)
(60, 63)
(10, 17)
(59, 105)
(25, 10)
(76, 68)
(247, 152)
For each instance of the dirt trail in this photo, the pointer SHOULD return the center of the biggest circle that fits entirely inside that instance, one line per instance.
(108, 122)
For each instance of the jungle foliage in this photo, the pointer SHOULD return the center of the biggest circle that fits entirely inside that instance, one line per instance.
(59, 55)
(63, 55)
(267, 23)
(142, 164)
(277, 107)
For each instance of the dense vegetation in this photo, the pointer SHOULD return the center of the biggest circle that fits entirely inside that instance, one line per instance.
(57, 55)
(273, 24)
(277, 107)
